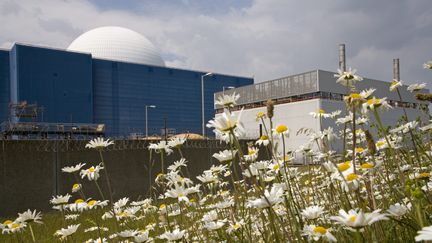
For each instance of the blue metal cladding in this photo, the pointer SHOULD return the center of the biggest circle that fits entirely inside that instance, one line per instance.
(57, 80)
(4, 85)
(73, 87)
(121, 91)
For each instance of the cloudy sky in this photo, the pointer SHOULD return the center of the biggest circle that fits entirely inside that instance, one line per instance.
(262, 38)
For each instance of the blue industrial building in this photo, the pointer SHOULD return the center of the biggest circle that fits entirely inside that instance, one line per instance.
(77, 87)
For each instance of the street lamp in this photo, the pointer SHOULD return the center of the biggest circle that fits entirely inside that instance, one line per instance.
(225, 87)
(202, 101)
(146, 117)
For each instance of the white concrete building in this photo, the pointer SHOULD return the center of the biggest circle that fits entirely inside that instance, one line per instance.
(297, 95)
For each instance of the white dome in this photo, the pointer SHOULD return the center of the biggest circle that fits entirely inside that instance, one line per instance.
(117, 43)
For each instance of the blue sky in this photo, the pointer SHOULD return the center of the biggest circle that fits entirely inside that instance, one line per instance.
(266, 39)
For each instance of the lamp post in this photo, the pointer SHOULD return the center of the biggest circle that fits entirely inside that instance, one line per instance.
(225, 87)
(146, 117)
(202, 101)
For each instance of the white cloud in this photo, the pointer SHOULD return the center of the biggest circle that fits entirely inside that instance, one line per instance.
(267, 39)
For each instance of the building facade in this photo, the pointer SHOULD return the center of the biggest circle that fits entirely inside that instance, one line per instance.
(297, 95)
(74, 87)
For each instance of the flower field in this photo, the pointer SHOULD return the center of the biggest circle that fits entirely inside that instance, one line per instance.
(376, 189)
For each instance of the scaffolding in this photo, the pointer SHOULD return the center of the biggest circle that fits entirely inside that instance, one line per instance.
(24, 124)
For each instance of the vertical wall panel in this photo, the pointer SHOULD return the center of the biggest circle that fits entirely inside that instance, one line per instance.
(60, 81)
(4, 85)
(127, 88)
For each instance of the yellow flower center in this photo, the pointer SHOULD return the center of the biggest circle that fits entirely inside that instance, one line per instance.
(355, 96)
(91, 169)
(79, 201)
(380, 143)
(260, 114)
(91, 202)
(359, 150)
(320, 230)
(424, 175)
(367, 166)
(276, 167)
(15, 225)
(374, 102)
(251, 151)
(321, 111)
(180, 195)
(75, 186)
(281, 128)
(236, 226)
(229, 126)
(344, 166)
(352, 177)
(264, 137)
(353, 218)
(7, 222)
(192, 200)
(162, 206)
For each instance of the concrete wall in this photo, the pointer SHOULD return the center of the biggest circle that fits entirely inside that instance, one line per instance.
(30, 171)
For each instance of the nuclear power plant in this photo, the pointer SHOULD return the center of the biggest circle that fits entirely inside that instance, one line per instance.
(110, 81)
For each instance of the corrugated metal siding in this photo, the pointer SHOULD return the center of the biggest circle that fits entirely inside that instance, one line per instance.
(121, 91)
(60, 81)
(4, 85)
(279, 88)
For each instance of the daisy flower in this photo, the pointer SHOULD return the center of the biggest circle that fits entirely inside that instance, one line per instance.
(252, 154)
(10, 226)
(57, 200)
(226, 122)
(395, 84)
(357, 219)
(162, 146)
(225, 156)
(92, 173)
(99, 143)
(76, 187)
(347, 78)
(176, 142)
(174, 235)
(281, 130)
(374, 103)
(416, 87)
(318, 232)
(312, 212)
(272, 197)
(263, 140)
(424, 234)
(397, 210)
(29, 216)
(65, 232)
(427, 65)
(72, 169)
(227, 100)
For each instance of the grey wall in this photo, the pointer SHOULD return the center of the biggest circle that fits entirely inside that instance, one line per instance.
(30, 171)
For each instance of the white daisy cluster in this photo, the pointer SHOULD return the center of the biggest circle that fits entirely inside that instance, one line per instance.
(378, 189)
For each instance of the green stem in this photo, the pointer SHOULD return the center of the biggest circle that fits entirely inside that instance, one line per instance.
(32, 234)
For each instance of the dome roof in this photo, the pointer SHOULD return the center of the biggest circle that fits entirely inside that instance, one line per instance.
(117, 43)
